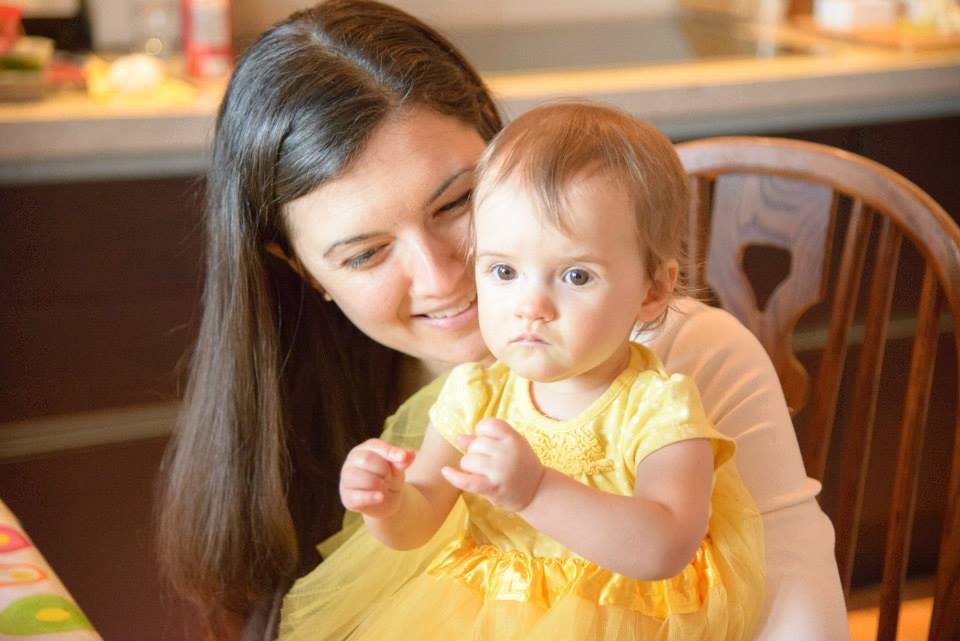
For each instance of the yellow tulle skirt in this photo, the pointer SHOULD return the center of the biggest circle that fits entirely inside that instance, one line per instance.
(455, 589)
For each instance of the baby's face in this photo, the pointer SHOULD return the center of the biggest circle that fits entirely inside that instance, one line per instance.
(558, 305)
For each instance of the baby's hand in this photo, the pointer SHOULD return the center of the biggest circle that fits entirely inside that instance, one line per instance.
(499, 465)
(372, 477)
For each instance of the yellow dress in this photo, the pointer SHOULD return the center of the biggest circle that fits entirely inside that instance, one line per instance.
(488, 575)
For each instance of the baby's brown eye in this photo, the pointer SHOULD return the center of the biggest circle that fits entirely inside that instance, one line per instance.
(504, 272)
(577, 277)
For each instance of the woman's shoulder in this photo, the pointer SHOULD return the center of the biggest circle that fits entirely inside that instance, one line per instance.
(692, 315)
(695, 334)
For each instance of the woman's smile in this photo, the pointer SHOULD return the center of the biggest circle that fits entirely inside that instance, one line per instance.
(457, 315)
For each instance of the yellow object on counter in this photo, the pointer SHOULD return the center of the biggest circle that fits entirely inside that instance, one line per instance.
(135, 80)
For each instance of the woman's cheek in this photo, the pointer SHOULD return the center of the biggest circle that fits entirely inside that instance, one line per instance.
(374, 301)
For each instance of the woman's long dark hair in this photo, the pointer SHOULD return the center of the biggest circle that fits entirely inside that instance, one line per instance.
(281, 383)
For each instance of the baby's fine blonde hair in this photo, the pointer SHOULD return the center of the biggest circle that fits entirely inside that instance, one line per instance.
(550, 146)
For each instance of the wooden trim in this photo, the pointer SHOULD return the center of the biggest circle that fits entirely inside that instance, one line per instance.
(22, 439)
(813, 340)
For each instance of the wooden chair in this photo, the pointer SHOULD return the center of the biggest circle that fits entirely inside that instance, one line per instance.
(834, 212)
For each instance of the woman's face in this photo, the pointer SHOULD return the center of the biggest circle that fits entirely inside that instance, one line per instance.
(387, 239)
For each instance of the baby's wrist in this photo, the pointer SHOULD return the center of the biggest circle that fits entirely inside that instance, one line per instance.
(534, 490)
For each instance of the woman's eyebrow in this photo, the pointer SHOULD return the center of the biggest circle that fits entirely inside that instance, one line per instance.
(348, 241)
(444, 185)
(433, 196)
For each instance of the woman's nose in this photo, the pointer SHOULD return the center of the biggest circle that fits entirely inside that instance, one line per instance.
(436, 267)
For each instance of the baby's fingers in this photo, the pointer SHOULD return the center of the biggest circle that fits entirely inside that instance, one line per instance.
(464, 441)
(399, 457)
(466, 482)
(354, 478)
(387, 451)
(401, 461)
(475, 464)
(494, 428)
(379, 457)
(358, 500)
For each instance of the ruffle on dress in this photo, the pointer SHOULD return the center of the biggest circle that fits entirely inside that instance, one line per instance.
(517, 576)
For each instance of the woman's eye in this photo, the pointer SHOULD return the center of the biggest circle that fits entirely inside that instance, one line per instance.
(358, 261)
(456, 204)
(503, 272)
(576, 277)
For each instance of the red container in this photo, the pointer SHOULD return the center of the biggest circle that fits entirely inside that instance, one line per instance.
(9, 26)
(207, 37)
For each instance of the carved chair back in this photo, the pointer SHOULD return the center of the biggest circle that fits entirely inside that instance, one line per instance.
(843, 223)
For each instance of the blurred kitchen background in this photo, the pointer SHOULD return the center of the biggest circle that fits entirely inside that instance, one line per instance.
(102, 155)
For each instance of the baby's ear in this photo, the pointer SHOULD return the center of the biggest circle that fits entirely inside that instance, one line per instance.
(660, 292)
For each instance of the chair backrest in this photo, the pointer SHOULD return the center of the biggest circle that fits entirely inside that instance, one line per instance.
(833, 213)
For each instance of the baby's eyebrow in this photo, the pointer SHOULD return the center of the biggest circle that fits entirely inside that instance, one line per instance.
(490, 254)
(587, 258)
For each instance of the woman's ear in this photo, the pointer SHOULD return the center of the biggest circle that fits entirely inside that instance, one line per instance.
(276, 251)
(660, 291)
(293, 263)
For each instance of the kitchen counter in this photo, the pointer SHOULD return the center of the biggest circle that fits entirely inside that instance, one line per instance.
(791, 81)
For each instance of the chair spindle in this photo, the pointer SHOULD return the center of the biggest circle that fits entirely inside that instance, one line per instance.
(859, 432)
(903, 501)
(819, 422)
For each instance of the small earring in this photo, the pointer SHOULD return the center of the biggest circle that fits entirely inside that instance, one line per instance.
(327, 297)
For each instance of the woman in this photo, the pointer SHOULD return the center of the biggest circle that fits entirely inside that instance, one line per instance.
(337, 285)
